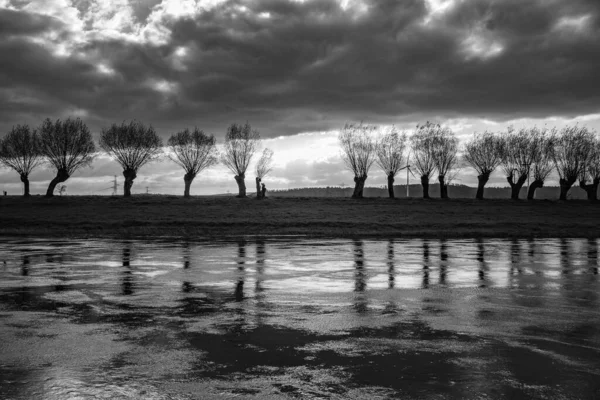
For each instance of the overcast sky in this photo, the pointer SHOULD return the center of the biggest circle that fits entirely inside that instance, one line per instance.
(296, 71)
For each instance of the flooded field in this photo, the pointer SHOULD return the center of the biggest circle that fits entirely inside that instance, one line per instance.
(300, 319)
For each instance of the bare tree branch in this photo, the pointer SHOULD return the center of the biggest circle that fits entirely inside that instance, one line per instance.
(358, 152)
(390, 152)
(264, 164)
(132, 145)
(20, 150)
(194, 152)
(241, 142)
(570, 153)
(67, 145)
(591, 171)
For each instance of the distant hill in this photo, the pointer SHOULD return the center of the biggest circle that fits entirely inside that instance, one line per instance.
(454, 191)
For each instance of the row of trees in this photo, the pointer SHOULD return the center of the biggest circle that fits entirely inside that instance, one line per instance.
(574, 152)
(68, 145)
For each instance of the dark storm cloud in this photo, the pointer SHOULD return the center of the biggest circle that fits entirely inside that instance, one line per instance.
(297, 66)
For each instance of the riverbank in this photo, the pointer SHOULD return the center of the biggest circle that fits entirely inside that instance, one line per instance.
(228, 217)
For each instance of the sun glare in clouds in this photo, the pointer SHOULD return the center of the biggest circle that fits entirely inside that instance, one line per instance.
(572, 24)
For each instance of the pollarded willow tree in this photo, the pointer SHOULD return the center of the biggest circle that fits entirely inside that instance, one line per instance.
(390, 156)
(570, 153)
(20, 150)
(423, 150)
(483, 153)
(132, 145)
(358, 153)
(591, 171)
(516, 159)
(67, 146)
(445, 157)
(194, 151)
(241, 142)
(263, 167)
(540, 146)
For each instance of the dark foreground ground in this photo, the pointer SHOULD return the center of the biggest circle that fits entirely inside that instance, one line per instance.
(210, 217)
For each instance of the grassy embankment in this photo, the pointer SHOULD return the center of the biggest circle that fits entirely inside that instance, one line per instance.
(222, 217)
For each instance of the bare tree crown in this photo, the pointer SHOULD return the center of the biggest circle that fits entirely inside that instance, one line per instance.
(541, 142)
(571, 150)
(67, 145)
(132, 145)
(264, 164)
(241, 142)
(20, 149)
(591, 169)
(390, 150)
(423, 146)
(358, 147)
(517, 155)
(193, 150)
(483, 152)
(445, 150)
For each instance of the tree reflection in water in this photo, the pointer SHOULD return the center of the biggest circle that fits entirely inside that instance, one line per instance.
(127, 282)
(443, 261)
(426, 260)
(360, 278)
(390, 264)
(483, 267)
(241, 268)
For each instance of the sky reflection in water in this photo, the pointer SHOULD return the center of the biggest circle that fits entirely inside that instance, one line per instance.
(337, 318)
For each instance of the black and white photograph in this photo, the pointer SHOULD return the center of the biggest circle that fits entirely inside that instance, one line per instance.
(299, 199)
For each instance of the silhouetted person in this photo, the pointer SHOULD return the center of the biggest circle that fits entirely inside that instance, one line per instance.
(263, 191)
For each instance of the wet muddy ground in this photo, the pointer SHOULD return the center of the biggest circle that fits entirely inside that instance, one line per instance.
(300, 319)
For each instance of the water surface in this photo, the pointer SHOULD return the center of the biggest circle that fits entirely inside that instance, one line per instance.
(299, 319)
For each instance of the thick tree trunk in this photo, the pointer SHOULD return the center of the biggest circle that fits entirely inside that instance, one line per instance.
(443, 187)
(129, 175)
(240, 180)
(481, 181)
(359, 185)
(258, 191)
(565, 186)
(391, 186)
(515, 187)
(188, 179)
(532, 188)
(591, 189)
(425, 184)
(25, 180)
(61, 176)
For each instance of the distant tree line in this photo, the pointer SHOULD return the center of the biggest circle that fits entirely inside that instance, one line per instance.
(528, 153)
(67, 145)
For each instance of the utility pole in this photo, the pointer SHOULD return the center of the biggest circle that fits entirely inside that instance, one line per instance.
(115, 186)
(147, 190)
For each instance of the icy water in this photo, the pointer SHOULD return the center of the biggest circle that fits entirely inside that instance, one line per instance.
(100, 319)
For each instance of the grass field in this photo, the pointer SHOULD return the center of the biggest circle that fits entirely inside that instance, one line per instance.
(222, 217)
